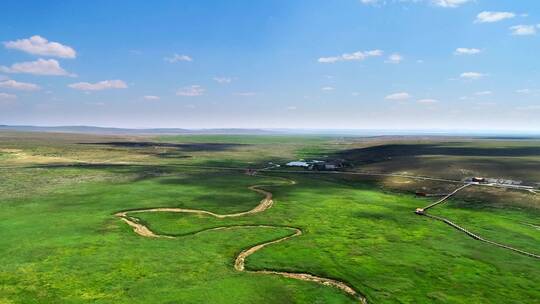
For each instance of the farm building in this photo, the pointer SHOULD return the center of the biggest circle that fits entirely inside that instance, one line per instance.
(302, 164)
(478, 179)
(318, 165)
(328, 165)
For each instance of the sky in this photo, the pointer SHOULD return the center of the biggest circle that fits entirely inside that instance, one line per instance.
(348, 64)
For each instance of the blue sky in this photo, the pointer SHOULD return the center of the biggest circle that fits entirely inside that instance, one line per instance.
(351, 64)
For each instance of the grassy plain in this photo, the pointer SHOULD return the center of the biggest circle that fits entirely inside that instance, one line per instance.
(61, 243)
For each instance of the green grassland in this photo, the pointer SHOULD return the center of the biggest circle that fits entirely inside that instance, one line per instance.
(61, 242)
(510, 225)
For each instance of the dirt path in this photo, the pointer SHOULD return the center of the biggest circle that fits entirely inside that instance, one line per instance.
(239, 262)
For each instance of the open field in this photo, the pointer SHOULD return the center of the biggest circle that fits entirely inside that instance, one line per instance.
(61, 240)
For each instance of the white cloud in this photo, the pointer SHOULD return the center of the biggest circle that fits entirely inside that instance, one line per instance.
(178, 58)
(440, 3)
(193, 90)
(394, 58)
(329, 59)
(356, 56)
(472, 75)
(7, 96)
(7, 99)
(223, 79)
(483, 93)
(38, 45)
(427, 101)
(369, 2)
(524, 30)
(523, 91)
(16, 85)
(327, 88)
(449, 3)
(467, 51)
(398, 96)
(97, 104)
(98, 86)
(245, 94)
(151, 97)
(38, 67)
(489, 17)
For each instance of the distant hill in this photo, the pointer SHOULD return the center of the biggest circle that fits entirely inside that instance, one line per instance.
(508, 135)
(120, 131)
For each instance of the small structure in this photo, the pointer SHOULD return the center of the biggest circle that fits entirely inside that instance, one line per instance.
(330, 165)
(302, 164)
(319, 165)
(419, 211)
(498, 182)
(477, 179)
